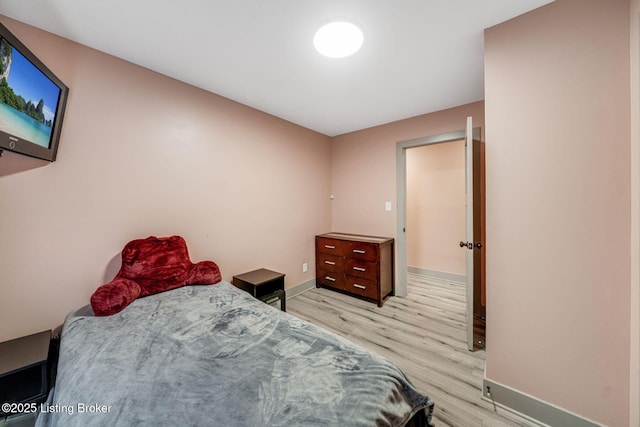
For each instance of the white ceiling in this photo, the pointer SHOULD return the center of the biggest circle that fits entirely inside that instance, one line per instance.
(418, 56)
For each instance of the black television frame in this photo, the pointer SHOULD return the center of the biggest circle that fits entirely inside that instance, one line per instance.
(23, 146)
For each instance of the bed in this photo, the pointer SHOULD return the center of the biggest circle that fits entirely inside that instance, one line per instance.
(215, 356)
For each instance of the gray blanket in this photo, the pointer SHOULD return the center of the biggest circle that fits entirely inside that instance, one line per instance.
(215, 356)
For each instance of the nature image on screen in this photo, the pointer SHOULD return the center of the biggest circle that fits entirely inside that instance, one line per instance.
(28, 99)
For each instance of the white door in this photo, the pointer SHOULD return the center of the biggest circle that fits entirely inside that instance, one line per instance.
(469, 228)
(474, 245)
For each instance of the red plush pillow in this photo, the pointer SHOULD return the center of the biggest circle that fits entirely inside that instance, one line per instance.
(150, 266)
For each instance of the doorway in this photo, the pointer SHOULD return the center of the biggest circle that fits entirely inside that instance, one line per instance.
(473, 231)
(436, 211)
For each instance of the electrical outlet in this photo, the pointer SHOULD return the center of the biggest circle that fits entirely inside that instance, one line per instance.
(387, 206)
(305, 267)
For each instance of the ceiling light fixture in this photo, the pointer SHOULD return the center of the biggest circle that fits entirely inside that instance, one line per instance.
(338, 39)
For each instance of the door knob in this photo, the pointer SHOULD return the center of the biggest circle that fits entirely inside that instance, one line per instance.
(467, 245)
(470, 245)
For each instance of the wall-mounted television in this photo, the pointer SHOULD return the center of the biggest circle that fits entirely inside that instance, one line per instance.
(32, 101)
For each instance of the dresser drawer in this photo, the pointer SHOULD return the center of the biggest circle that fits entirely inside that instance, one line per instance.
(330, 246)
(331, 262)
(330, 278)
(360, 286)
(355, 267)
(362, 251)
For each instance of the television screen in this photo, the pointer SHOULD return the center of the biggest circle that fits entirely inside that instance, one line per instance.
(32, 101)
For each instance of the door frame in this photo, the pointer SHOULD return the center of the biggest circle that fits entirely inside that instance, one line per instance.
(401, 191)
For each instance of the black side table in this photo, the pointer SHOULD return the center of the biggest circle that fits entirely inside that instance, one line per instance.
(266, 285)
(23, 369)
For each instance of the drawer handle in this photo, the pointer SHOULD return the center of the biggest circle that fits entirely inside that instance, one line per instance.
(329, 246)
(330, 262)
(359, 269)
(355, 285)
(330, 278)
(359, 251)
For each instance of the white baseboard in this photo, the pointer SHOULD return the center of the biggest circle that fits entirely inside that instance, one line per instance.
(439, 275)
(531, 408)
(300, 288)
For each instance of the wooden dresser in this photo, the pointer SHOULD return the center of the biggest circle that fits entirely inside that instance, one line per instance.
(359, 265)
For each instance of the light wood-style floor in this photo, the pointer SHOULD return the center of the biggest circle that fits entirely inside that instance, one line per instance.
(424, 335)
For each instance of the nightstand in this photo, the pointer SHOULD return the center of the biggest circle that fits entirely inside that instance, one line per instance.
(23, 369)
(266, 285)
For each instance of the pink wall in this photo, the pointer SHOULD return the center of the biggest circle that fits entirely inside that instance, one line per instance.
(140, 155)
(363, 167)
(558, 206)
(436, 207)
(634, 393)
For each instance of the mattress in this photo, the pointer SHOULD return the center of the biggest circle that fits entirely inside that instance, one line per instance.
(215, 356)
